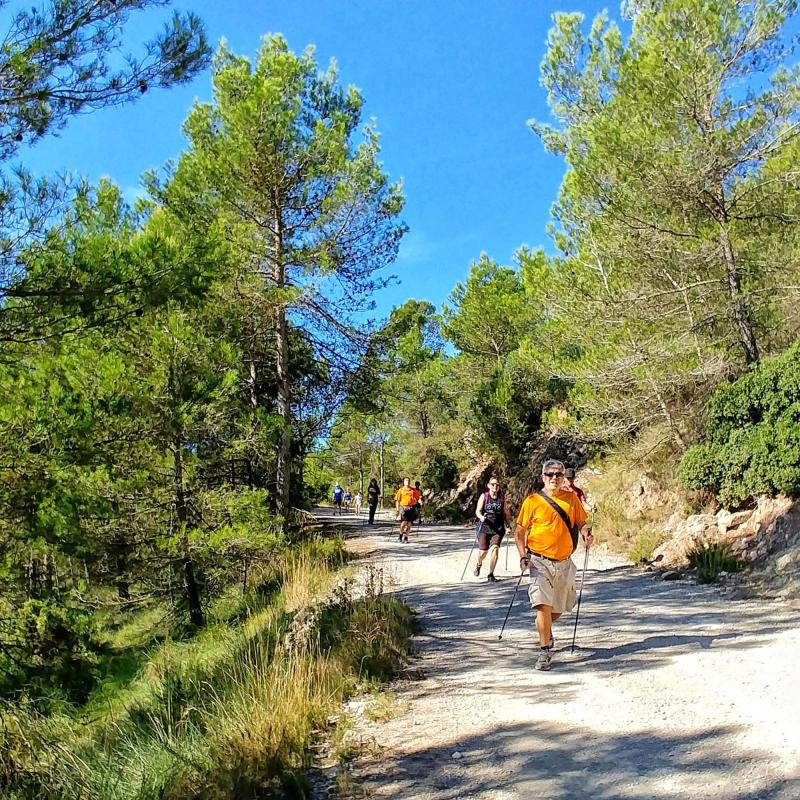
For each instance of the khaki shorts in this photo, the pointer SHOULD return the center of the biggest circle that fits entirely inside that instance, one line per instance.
(552, 584)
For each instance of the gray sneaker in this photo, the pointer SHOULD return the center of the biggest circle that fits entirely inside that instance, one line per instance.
(543, 662)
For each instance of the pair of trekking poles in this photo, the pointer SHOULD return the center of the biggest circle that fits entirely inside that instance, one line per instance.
(522, 574)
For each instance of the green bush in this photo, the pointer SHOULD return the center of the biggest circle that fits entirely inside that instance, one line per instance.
(643, 546)
(712, 559)
(752, 442)
(49, 650)
(440, 473)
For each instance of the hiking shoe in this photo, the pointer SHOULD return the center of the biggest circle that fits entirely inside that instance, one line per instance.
(477, 570)
(491, 578)
(543, 662)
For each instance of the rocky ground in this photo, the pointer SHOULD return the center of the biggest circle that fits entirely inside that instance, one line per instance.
(673, 691)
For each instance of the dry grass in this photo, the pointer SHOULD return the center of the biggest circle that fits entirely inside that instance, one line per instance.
(609, 485)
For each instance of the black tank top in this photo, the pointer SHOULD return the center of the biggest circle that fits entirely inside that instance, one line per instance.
(493, 511)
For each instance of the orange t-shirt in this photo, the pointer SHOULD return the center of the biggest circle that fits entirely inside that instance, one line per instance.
(547, 534)
(407, 496)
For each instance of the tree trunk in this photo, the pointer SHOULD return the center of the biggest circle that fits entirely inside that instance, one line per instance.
(741, 313)
(251, 377)
(33, 578)
(382, 473)
(121, 569)
(283, 403)
(182, 512)
(676, 435)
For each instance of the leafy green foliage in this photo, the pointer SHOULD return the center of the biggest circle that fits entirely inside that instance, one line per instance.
(673, 215)
(752, 444)
(231, 710)
(275, 162)
(440, 473)
(643, 546)
(59, 59)
(50, 648)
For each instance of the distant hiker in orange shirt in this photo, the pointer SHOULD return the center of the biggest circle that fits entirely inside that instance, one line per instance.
(406, 499)
(547, 531)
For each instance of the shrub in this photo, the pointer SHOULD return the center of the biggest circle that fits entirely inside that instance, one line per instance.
(712, 559)
(48, 650)
(643, 546)
(440, 473)
(752, 442)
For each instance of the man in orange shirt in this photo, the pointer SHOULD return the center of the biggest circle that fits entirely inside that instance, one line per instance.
(545, 545)
(405, 500)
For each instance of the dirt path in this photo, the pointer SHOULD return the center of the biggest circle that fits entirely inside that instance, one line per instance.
(673, 691)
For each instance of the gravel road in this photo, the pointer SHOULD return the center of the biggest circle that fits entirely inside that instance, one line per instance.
(673, 690)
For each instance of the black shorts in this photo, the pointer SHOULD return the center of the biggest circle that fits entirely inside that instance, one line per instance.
(409, 513)
(489, 536)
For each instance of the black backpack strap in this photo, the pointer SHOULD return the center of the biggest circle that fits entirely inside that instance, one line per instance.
(572, 529)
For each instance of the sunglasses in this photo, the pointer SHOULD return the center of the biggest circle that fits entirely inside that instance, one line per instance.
(553, 474)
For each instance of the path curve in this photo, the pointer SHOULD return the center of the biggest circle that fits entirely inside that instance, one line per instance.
(673, 691)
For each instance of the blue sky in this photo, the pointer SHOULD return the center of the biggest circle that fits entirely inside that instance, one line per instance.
(450, 84)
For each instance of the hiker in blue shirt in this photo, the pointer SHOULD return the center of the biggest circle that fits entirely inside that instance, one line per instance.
(338, 497)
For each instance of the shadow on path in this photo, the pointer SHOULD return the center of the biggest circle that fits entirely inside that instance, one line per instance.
(549, 760)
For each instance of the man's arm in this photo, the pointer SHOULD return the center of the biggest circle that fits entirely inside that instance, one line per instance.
(586, 533)
(479, 509)
(521, 540)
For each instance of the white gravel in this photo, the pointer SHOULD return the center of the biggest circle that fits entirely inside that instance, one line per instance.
(673, 691)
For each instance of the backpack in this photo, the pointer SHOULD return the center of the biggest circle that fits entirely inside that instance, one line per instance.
(337, 494)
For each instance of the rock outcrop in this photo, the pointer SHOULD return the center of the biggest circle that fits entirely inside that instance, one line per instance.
(752, 534)
(458, 504)
(645, 495)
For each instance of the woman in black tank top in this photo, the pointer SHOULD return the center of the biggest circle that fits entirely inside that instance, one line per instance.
(492, 522)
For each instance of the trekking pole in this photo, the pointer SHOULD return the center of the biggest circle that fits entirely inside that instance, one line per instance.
(511, 604)
(469, 557)
(580, 594)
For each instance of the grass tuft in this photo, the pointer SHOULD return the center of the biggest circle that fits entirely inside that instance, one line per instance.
(710, 560)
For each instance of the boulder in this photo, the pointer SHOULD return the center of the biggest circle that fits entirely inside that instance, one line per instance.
(458, 504)
(726, 520)
(684, 535)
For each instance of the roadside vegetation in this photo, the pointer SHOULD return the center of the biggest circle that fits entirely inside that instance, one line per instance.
(229, 712)
(711, 561)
